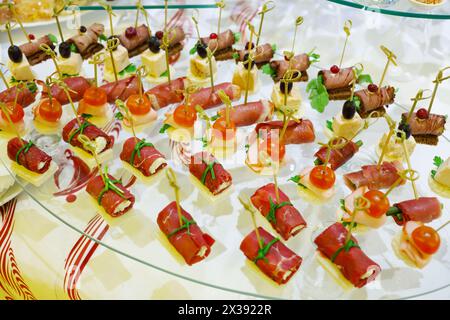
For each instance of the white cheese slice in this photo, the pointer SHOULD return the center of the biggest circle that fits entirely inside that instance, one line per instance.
(443, 173)
(319, 193)
(22, 70)
(71, 65)
(333, 271)
(158, 79)
(89, 159)
(34, 178)
(199, 67)
(240, 78)
(293, 101)
(347, 128)
(207, 194)
(177, 132)
(155, 63)
(121, 60)
(394, 149)
(154, 177)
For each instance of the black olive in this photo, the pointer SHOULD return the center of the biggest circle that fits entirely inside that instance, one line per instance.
(153, 44)
(283, 87)
(83, 29)
(246, 61)
(249, 46)
(201, 50)
(15, 54)
(64, 50)
(406, 128)
(349, 110)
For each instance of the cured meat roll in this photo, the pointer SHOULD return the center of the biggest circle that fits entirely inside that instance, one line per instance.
(263, 54)
(282, 215)
(121, 89)
(71, 131)
(338, 157)
(299, 63)
(28, 155)
(176, 37)
(188, 239)
(165, 94)
(426, 131)
(296, 132)
(374, 177)
(26, 94)
(115, 202)
(143, 156)
(223, 45)
(423, 209)
(278, 262)
(77, 86)
(371, 101)
(207, 98)
(87, 43)
(137, 43)
(353, 263)
(338, 84)
(210, 172)
(33, 52)
(250, 113)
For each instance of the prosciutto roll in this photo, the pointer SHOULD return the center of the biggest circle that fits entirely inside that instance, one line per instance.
(138, 43)
(299, 62)
(371, 101)
(427, 130)
(77, 87)
(279, 263)
(165, 94)
(121, 89)
(423, 209)
(71, 131)
(339, 80)
(115, 203)
(338, 157)
(87, 43)
(374, 177)
(210, 172)
(282, 215)
(33, 52)
(263, 54)
(207, 98)
(253, 112)
(223, 45)
(143, 156)
(354, 264)
(296, 132)
(188, 239)
(28, 155)
(176, 37)
(26, 94)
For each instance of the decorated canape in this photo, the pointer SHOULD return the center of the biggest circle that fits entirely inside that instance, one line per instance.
(48, 112)
(439, 179)
(18, 65)
(136, 38)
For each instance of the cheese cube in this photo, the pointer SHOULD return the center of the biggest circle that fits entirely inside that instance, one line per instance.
(347, 128)
(71, 65)
(121, 59)
(293, 101)
(22, 70)
(199, 67)
(155, 63)
(240, 77)
(443, 173)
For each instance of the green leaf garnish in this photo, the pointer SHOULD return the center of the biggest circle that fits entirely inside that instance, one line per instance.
(215, 117)
(235, 56)
(193, 49)
(318, 94)
(437, 161)
(296, 180)
(342, 204)
(52, 38)
(164, 128)
(267, 69)
(330, 125)
(313, 57)
(118, 116)
(86, 116)
(164, 74)
(364, 78)
(103, 37)
(237, 36)
(357, 102)
(73, 48)
(128, 69)
(32, 86)
(274, 47)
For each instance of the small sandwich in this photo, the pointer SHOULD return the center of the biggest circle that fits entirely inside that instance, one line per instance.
(86, 41)
(135, 40)
(175, 37)
(33, 52)
(221, 44)
(262, 54)
(299, 63)
(425, 128)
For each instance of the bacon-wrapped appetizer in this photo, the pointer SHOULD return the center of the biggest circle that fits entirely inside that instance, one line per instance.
(296, 133)
(263, 54)
(135, 40)
(338, 84)
(188, 239)
(33, 52)
(77, 87)
(86, 41)
(374, 177)
(110, 194)
(422, 209)
(374, 99)
(250, 113)
(121, 89)
(425, 128)
(212, 176)
(221, 44)
(275, 260)
(316, 183)
(167, 93)
(281, 214)
(338, 157)
(16, 115)
(154, 60)
(300, 63)
(439, 180)
(23, 93)
(207, 98)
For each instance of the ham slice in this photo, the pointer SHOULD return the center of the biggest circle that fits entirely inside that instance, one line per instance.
(207, 98)
(296, 132)
(407, 247)
(423, 209)
(26, 94)
(28, 155)
(165, 94)
(263, 54)
(299, 62)
(375, 177)
(250, 113)
(148, 160)
(33, 52)
(433, 125)
(282, 215)
(77, 86)
(279, 263)
(121, 89)
(354, 264)
(114, 203)
(371, 101)
(339, 80)
(338, 157)
(223, 45)
(188, 239)
(87, 43)
(138, 43)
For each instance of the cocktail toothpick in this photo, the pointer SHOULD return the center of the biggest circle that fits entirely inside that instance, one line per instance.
(248, 207)
(391, 57)
(170, 174)
(347, 27)
(439, 79)
(266, 7)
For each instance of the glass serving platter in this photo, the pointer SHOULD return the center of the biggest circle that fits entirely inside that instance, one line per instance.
(135, 253)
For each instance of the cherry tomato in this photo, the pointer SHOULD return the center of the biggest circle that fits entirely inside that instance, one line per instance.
(139, 105)
(15, 112)
(95, 96)
(222, 131)
(379, 203)
(273, 147)
(322, 177)
(50, 110)
(185, 115)
(426, 239)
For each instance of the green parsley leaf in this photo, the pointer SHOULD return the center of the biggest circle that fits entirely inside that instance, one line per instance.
(433, 173)
(274, 47)
(318, 94)
(237, 36)
(330, 125)
(128, 69)
(52, 38)
(164, 128)
(86, 116)
(215, 117)
(342, 204)
(357, 102)
(164, 74)
(32, 86)
(73, 48)
(247, 146)
(295, 179)
(267, 69)
(364, 78)
(118, 116)
(313, 57)
(437, 161)
(103, 37)
(235, 55)
(193, 49)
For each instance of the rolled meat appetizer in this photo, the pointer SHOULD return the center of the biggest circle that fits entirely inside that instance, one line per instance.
(167, 93)
(250, 113)
(423, 209)
(263, 54)
(142, 156)
(116, 201)
(353, 263)
(299, 63)
(296, 132)
(188, 239)
(176, 37)
(207, 98)
(276, 261)
(211, 174)
(121, 89)
(375, 177)
(87, 42)
(25, 93)
(338, 84)
(374, 101)
(77, 87)
(71, 131)
(135, 40)
(338, 157)
(282, 215)
(28, 155)
(428, 130)
(33, 52)
(223, 45)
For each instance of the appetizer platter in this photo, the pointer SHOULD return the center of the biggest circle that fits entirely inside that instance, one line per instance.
(208, 149)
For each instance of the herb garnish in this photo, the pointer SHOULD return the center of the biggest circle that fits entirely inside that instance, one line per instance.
(318, 94)
(437, 161)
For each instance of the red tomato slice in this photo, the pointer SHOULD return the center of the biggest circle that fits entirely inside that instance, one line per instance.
(379, 203)
(426, 239)
(222, 131)
(185, 115)
(50, 110)
(15, 112)
(322, 177)
(139, 105)
(94, 96)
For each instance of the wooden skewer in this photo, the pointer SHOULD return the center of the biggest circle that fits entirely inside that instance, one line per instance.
(405, 150)
(5, 111)
(347, 27)
(249, 60)
(439, 78)
(44, 47)
(97, 59)
(419, 97)
(220, 5)
(112, 44)
(136, 21)
(360, 203)
(16, 17)
(391, 57)
(392, 125)
(249, 208)
(122, 107)
(2, 75)
(268, 6)
(170, 174)
(166, 42)
(443, 226)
